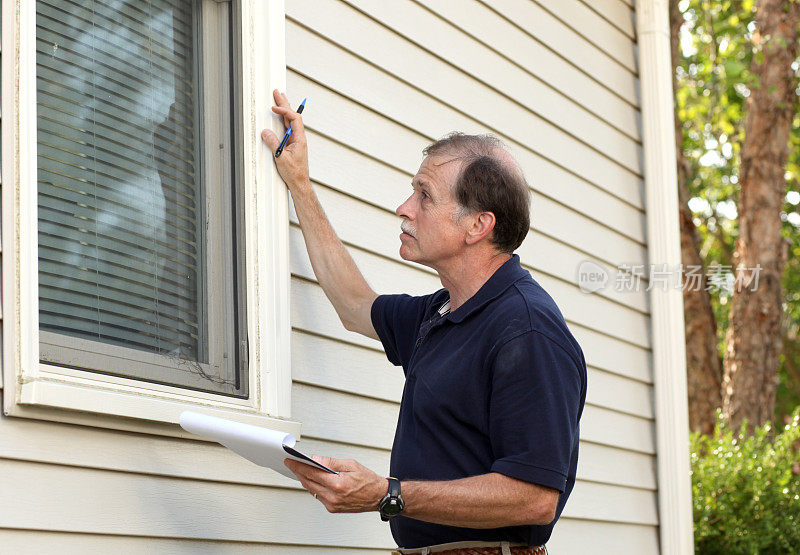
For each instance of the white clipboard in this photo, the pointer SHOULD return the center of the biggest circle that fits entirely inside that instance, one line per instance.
(262, 446)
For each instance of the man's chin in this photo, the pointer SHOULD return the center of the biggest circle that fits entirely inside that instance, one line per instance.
(413, 257)
(406, 254)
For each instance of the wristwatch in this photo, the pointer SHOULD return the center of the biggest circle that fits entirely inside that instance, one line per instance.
(392, 504)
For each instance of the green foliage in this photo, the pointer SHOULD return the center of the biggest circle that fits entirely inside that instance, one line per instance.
(746, 490)
(713, 84)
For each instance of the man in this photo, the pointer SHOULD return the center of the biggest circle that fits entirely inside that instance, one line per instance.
(486, 447)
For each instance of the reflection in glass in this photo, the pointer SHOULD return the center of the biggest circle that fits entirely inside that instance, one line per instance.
(121, 210)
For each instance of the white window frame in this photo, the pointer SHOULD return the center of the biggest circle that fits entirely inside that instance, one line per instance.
(36, 390)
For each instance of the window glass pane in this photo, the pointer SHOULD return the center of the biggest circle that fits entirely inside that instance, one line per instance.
(124, 233)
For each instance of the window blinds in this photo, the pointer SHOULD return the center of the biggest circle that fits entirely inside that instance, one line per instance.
(121, 206)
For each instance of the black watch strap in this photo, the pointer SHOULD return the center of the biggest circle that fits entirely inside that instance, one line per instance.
(394, 487)
(392, 503)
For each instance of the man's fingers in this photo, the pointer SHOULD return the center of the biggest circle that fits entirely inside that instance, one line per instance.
(290, 117)
(307, 472)
(283, 110)
(326, 461)
(270, 138)
(280, 98)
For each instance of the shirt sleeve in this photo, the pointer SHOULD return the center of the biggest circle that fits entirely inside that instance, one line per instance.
(535, 404)
(397, 319)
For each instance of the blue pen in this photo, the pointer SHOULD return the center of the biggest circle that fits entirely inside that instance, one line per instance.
(289, 131)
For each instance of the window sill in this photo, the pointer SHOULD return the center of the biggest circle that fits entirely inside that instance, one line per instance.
(134, 408)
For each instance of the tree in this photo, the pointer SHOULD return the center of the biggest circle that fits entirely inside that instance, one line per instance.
(714, 50)
(754, 335)
(703, 363)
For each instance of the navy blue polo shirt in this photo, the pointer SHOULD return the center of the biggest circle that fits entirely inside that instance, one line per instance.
(498, 385)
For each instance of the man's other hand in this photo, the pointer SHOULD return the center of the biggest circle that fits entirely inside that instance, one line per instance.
(293, 162)
(356, 489)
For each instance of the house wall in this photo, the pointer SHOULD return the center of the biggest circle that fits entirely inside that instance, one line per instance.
(556, 80)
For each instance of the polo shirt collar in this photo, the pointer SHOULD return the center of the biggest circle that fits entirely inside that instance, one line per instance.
(510, 272)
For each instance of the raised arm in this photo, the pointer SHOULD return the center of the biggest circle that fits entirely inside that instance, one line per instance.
(335, 269)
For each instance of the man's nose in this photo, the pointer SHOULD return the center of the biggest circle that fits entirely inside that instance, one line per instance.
(404, 210)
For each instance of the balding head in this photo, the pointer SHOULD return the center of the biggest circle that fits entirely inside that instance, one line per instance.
(489, 180)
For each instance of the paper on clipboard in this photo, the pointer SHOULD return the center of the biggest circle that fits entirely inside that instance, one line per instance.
(262, 446)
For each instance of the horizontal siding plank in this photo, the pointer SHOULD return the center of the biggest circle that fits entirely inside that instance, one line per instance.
(614, 429)
(614, 355)
(595, 29)
(444, 41)
(333, 416)
(62, 498)
(335, 365)
(610, 465)
(616, 503)
(569, 44)
(535, 58)
(21, 542)
(412, 64)
(606, 389)
(616, 12)
(312, 312)
(586, 536)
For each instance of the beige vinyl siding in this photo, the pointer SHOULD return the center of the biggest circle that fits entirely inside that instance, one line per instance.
(557, 80)
(25, 541)
(617, 12)
(600, 32)
(441, 67)
(573, 45)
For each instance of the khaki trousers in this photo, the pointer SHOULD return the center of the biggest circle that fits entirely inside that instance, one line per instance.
(470, 547)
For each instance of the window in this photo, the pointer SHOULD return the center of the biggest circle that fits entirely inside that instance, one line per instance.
(149, 227)
(136, 202)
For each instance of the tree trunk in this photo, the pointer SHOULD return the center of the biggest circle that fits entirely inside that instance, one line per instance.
(703, 364)
(753, 341)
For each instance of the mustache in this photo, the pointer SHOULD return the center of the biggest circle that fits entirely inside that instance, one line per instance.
(406, 228)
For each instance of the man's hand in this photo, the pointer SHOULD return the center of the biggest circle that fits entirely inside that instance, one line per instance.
(293, 162)
(356, 489)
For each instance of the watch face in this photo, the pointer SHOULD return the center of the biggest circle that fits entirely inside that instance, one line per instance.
(391, 508)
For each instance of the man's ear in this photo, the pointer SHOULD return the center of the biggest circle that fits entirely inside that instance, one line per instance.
(482, 226)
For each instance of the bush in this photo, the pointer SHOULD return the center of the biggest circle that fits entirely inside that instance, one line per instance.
(746, 490)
